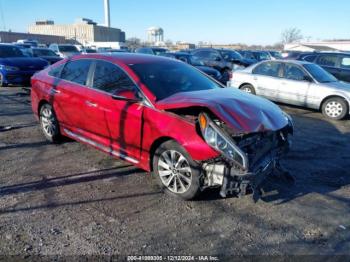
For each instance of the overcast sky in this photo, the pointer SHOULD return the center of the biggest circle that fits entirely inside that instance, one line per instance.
(216, 21)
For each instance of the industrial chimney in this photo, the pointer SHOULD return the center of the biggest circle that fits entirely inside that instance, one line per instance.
(107, 15)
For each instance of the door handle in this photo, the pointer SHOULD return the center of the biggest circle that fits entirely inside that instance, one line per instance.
(255, 78)
(88, 103)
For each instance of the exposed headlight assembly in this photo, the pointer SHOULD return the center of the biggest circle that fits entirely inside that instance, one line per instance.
(217, 139)
(9, 68)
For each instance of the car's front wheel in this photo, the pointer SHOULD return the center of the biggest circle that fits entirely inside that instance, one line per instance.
(248, 89)
(335, 108)
(175, 171)
(49, 124)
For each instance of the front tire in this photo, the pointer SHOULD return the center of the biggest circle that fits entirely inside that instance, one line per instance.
(248, 89)
(176, 172)
(335, 108)
(49, 124)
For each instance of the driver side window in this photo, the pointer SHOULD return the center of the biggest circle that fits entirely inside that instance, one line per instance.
(111, 79)
(293, 72)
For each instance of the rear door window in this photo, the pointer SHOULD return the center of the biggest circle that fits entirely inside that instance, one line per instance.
(268, 69)
(77, 71)
(328, 60)
(56, 72)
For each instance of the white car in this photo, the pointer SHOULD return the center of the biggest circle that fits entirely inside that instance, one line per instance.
(298, 83)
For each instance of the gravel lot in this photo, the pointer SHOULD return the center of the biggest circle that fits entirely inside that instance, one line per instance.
(70, 199)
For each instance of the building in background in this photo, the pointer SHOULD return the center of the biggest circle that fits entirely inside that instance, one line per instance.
(10, 37)
(342, 45)
(84, 31)
(155, 36)
(184, 45)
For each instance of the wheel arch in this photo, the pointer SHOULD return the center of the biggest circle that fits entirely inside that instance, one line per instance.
(246, 83)
(156, 143)
(333, 96)
(41, 103)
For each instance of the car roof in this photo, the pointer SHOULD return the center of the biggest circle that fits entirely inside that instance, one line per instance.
(298, 62)
(125, 58)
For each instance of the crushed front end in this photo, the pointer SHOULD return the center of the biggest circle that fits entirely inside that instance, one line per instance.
(246, 159)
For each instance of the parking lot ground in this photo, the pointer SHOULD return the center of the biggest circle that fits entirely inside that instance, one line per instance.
(70, 199)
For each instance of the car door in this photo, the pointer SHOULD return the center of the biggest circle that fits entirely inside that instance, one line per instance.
(111, 119)
(67, 92)
(295, 85)
(344, 74)
(330, 62)
(267, 79)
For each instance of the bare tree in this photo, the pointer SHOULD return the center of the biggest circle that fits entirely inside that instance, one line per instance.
(291, 35)
(133, 43)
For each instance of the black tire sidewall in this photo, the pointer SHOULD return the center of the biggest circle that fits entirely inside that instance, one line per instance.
(339, 100)
(194, 189)
(56, 137)
(250, 87)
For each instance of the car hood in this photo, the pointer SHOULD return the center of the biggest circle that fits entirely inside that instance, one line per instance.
(338, 85)
(24, 62)
(242, 112)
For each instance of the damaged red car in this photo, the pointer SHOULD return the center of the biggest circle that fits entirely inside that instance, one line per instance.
(165, 117)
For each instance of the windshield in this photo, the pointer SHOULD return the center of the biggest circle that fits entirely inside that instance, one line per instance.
(68, 48)
(320, 74)
(164, 79)
(10, 51)
(43, 52)
(159, 51)
(231, 55)
(262, 55)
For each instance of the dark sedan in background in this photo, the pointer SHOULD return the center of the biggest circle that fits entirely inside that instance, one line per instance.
(16, 68)
(46, 54)
(223, 60)
(336, 63)
(196, 62)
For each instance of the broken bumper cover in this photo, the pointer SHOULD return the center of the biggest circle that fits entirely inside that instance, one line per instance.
(235, 182)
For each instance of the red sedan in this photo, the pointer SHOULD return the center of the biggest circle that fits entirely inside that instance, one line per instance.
(165, 117)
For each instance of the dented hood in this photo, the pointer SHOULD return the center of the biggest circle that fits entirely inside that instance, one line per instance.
(243, 112)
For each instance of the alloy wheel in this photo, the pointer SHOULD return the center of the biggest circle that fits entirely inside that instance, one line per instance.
(48, 122)
(174, 171)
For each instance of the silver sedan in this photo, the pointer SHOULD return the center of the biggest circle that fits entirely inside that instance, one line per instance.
(298, 83)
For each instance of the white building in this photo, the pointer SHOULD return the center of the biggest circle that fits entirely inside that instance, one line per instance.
(318, 46)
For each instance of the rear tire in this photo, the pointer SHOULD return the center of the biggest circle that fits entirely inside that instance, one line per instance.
(176, 172)
(248, 89)
(335, 108)
(49, 124)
